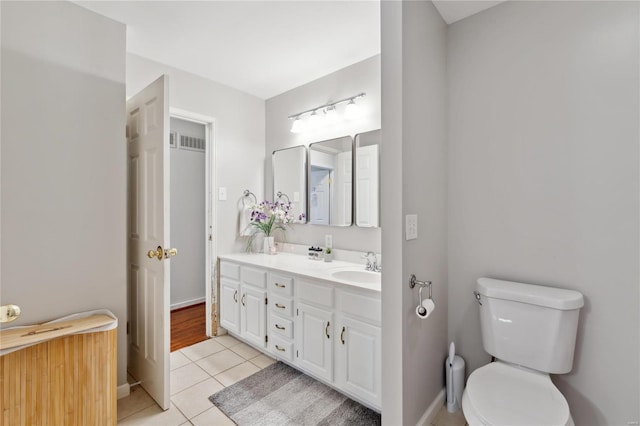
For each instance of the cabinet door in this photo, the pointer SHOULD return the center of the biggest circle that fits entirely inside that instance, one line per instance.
(358, 359)
(254, 316)
(314, 340)
(230, 305)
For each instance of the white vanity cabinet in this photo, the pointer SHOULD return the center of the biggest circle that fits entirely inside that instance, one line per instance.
(230, 296)
(315, 332)
(281, 316)
(331, 330)
(243, 302)
(359, 345)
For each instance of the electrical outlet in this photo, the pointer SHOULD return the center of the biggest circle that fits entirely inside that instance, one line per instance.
(222, 193)
(411, 227)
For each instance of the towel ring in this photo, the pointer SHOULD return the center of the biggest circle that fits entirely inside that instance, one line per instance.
(281, 194)
(248, 194)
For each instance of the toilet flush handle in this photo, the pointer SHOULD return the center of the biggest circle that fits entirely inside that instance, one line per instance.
(477, 295)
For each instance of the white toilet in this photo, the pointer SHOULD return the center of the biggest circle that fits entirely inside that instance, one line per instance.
(531, 331)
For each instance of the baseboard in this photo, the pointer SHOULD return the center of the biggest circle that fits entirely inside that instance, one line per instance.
(433, 409)
(186, 303)
(123, 391)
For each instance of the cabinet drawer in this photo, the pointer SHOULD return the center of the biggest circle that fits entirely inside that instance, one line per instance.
(360, 305)
(281, 348)
(229, 270)
(281, 305)
(315, 293)
(281, 326)
(280, 284)
(254, 277)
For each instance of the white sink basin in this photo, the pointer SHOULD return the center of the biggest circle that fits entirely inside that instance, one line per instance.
(357, 276)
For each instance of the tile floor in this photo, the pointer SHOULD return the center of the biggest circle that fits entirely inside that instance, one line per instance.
(201, 370)
(197, 372)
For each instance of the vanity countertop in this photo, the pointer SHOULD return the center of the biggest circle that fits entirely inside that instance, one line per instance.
(303, 266)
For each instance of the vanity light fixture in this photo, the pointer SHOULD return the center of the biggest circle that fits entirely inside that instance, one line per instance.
(329, 110)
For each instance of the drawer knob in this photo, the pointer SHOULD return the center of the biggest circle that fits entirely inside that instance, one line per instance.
(280, 285)
(279, 306)
(279, 327)
(280, 349)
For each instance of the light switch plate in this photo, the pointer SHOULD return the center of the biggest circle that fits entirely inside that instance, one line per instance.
(411, 227)
(222, 193)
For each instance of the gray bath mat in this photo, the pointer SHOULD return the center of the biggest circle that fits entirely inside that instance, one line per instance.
(281, 395)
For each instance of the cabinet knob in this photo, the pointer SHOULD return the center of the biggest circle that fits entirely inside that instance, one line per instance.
(280, 349)
(342, 335)
(326, 330)
(279, 306)
(279, 327)
(280, 285)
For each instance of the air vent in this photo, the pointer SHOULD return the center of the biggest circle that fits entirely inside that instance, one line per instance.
(194, 144)
(173, 139)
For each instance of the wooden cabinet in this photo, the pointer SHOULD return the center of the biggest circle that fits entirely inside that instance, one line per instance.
(314, 340)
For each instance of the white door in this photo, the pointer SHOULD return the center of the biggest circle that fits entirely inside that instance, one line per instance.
(367, 186)
(253, 321)
(343, 188)
(230, 305)
(314, 341)
(319, 205)
(148, 169)
(358, 363)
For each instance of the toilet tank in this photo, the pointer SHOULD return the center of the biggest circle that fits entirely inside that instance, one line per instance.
(529, 325)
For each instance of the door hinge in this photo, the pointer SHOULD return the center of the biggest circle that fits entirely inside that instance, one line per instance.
(266, 300)
(297, 356)
(266, 339)
(297, 312)
(128, 328)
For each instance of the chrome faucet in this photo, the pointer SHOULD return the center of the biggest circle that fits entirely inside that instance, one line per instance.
(372, 262)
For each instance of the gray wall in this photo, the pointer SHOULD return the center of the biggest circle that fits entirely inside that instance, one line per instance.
(543, 180)
(238, 135)
(63, 163)
(361, 77)
(187, 217)
(413, 177)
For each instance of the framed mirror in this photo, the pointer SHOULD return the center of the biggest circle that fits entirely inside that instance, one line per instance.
(367, 179)
(331, 182)
(290, 179)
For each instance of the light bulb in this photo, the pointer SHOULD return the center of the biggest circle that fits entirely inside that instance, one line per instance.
(297, 126)
(351, 110)
(330, 114)
(314, 120)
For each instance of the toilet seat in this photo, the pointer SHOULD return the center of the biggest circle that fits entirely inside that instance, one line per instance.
(504, 394)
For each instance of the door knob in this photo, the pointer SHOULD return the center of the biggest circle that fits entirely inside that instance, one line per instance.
(9, 313)
(170, 253)
(157, 253)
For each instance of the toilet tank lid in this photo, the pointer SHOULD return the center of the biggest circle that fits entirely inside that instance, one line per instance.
(550, 297)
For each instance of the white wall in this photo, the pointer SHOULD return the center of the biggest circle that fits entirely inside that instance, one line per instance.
(361, 77)
(239, 135)
(188, 228)
(63, 163)
(413, 181)
(544, 180)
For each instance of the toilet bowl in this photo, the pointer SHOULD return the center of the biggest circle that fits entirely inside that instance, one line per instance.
(504, 394)
(531, 331)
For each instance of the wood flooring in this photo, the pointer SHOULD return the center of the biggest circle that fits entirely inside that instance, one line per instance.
(188, 326)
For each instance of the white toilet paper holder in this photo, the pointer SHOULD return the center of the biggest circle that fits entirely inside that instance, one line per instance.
(413, 281)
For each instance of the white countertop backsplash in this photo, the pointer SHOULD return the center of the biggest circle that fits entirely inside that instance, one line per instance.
(293, 258)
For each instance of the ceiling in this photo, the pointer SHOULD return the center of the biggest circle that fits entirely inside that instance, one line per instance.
(455, 10)
(263, 47)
